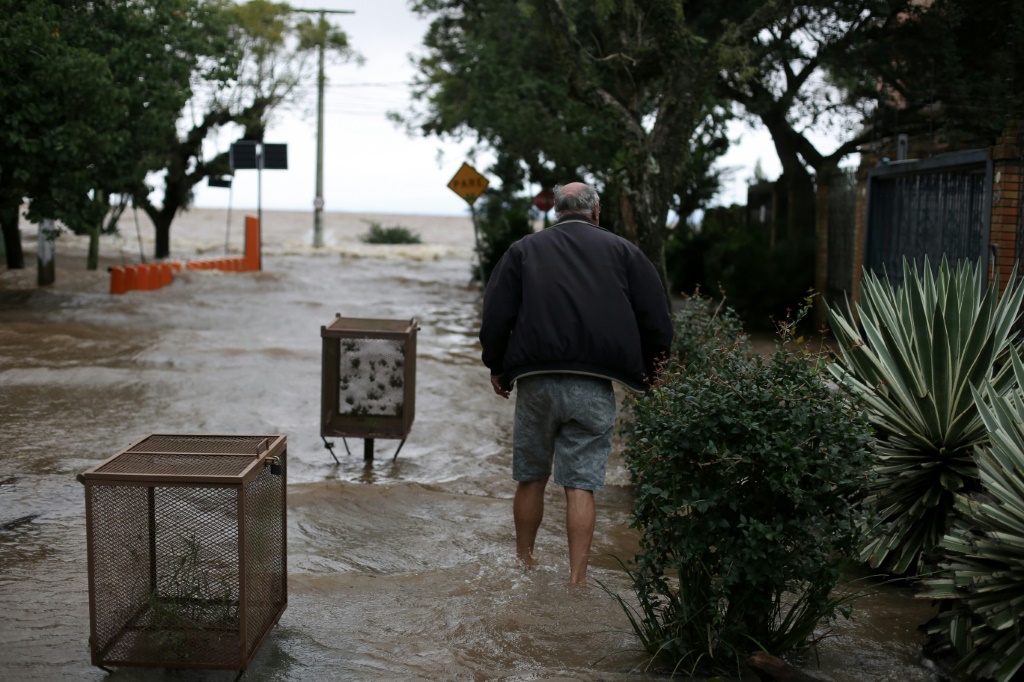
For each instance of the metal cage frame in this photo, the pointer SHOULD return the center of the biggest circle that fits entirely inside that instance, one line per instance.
(187, 550)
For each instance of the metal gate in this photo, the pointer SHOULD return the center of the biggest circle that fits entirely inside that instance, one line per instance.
(929, 207)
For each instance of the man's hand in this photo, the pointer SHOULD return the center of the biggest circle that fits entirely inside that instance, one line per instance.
(499, 387)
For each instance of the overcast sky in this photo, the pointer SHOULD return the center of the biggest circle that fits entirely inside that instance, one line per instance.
(372, 165)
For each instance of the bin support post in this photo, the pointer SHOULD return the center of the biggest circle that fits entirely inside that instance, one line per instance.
(368, 450)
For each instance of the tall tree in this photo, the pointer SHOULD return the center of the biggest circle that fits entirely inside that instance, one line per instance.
(95, 90)
(57, 98)
(276, 50)
(620, 89)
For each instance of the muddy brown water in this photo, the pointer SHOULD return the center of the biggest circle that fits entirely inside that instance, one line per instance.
(398, 570)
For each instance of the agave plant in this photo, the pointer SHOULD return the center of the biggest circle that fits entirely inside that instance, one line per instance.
(915, 356)
(984, 573)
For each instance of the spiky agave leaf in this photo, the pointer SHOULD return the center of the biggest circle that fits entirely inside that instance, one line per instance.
(983, 578)
(915, 357)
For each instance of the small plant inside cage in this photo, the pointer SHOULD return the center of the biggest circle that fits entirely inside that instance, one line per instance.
(193, 606)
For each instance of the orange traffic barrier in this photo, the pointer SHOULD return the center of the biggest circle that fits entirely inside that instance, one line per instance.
(166, 274)
(252, 243)
(144, 277)
(175, 265)
(117, 280)
(131, 278)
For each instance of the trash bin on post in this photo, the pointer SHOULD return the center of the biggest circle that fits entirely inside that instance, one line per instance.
(368, 380)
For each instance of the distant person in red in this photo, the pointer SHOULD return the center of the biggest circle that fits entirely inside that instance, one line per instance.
(567, 311)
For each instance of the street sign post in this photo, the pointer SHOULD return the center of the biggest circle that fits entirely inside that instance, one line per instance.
(544, 201)
(469, 184)
(258, 155)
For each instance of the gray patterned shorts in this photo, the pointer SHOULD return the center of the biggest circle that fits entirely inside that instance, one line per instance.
(567, 420)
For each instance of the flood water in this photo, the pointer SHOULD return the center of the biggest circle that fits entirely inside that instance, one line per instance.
(399, 569)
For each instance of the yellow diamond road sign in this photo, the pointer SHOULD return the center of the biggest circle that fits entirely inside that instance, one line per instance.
(468, 183)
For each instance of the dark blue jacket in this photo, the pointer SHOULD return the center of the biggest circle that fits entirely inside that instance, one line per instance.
(575, 298)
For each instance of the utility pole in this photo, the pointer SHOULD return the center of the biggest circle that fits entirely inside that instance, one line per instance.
(318, 202)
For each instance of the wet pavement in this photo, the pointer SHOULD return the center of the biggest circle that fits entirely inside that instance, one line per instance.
(398, 570)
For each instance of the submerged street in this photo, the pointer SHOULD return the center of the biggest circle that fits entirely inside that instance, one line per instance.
(398, 569)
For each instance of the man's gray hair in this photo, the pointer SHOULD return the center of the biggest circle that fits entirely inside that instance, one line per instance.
(583, 201)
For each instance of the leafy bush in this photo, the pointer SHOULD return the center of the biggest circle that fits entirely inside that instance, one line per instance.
(761, 282)
(746, 473)
(915, 357)
(378, 234)
(502, 220)
(702, 324)
(982, 580)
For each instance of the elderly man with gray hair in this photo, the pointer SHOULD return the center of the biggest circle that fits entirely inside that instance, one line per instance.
(567, 311)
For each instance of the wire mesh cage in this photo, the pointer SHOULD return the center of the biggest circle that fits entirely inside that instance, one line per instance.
(369, 378)
(186, 550)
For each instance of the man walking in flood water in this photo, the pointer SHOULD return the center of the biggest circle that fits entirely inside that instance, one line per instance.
(567, 311)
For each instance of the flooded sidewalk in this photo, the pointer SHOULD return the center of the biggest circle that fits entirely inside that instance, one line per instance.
(399, 569)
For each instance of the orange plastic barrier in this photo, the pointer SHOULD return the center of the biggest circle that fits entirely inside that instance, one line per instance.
(145, 277)
(150, 276)
(118, 285)
(131, 278)
(252, 243)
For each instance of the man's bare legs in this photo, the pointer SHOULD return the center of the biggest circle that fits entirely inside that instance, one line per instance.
(580, 517)
(528, 511)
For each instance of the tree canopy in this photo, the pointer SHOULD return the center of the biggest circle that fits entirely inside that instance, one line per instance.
(276, 49)
(631, 94)
(102, 96)
(94, 90)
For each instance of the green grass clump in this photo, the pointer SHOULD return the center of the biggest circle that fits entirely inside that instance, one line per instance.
(395, 234)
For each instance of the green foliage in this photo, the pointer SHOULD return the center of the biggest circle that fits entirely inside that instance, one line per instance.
(702, 326)
(759, 280)
(264, 52)
(95, 93)
(747, 473)
(396, 234)
(502, 220)
(516, 76)
(982, 579)
(190, 606)
(916, 358)
(727, 257)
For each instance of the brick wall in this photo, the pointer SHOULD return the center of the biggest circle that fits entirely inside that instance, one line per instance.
(1006, 195)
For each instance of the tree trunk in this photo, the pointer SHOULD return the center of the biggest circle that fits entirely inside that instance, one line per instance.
(92, 262)
(799, 184)
(162, 224)
(9, 219)
(47, 267)
(642, 216)
(821, 248)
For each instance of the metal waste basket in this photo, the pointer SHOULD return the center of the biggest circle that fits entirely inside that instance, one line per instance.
(368, 378)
